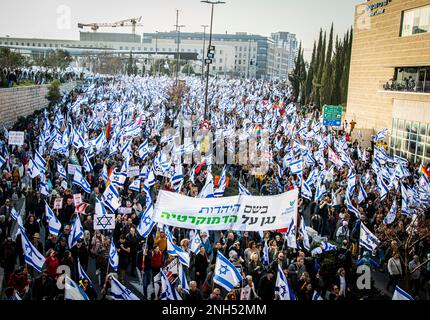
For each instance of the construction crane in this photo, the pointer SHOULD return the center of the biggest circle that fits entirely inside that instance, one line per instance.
(133, 22)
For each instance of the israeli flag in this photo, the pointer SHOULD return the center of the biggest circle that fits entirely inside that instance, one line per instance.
(54, 225)
(126, 149)
(80, 180)
(146, 223)
(78, 141)
(105, 175)
(33, 171)
(101, 142)
(177, 251)
(351, 181)
(88, 167)
(362, 195)
(118, 179)
(265, 258)
(306, 191)
(296, 166)
(135, 185)
(208, 189)
(391, 216)
(367, 239)
(282, 288)
(150, 179)
(243, 191)
(40, 162)
(120, 292)
(82, 274)
(177, 178)
(405, 201)
(113, 256)
(226, 275)
(110, 198)
(316, 296)
(183, 279)
(99, 207)
(76, 232)
(168, 291)
(143, 150)
(380, 135)
(72, 291)
(31, 255)
(219, 192)
(61, 170)
(382, 188)
(400, 294)
(305, 237)
(196, 243)
(320, 192)
(2, 161)
(350, 206)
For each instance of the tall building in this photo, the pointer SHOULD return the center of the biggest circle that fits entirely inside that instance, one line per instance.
(389, 83)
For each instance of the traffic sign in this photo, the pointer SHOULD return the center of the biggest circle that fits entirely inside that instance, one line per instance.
(332, 115)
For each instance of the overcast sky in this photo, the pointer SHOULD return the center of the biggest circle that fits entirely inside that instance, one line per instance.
(50, 18)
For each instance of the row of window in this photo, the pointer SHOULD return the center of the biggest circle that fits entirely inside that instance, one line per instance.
(411, 140)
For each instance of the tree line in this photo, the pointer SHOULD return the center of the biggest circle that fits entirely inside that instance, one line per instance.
(325, 79)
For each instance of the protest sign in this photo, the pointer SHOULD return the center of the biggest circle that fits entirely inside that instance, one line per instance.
(241, 213)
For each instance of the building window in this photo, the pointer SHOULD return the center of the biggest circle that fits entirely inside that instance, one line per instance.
(220, 52)
(416, 21)
(220, 60)
(220, 68)
(213, 68)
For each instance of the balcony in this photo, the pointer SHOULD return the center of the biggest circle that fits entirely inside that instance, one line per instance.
(405, 86)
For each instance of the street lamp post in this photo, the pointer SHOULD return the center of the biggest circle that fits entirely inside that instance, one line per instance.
(156, 50)
(210, 44)
(203, 52)
(178, 29)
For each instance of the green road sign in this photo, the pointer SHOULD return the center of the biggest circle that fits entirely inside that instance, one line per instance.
(332, 115)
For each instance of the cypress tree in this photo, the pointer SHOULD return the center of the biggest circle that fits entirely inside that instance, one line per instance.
(327, 76)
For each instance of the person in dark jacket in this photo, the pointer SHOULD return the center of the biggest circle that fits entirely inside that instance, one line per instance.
(194, 293)
(43, 287)
(201, 266)
(266, 286)
(8, 254)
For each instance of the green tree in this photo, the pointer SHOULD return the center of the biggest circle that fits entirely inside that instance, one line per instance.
(298, 76)
(187, 69)
(310, 76)
(53, 95)
(327, 75)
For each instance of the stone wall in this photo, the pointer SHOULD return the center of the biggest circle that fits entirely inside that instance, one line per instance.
(23, 101)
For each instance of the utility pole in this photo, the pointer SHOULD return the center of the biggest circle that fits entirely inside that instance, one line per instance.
(203, 52)
(212, 3)
(178, 30)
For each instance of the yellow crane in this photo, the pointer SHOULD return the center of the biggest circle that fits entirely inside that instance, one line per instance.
(132, 22)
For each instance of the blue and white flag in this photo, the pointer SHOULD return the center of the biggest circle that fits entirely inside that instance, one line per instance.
(101, 142)
(110, 198)
(99, 207)
(350, 206)
(226, 275)
(76, 232)
(351, 181)
(316, 296)
(196, 243)
(143, 150)
(82, 274)
(104, 174)
(120, 292)
(88, 167)
(400, 294)
(72, 291)
(54, 225)
(362, 195)
(282, 288)
(2, 161)
(31, 255)
(80, 180)
(391, 216)
(219, 192)
(243, 190)
(405, 201)
(208, 189)
(118, 179)
(306, 191)
(168, 291)
(183, 279)
(146, 223)
(14, 214)
(305, 237)
(326, 246)
(380, 135)
(174, 250)
(296, 166)
(382, 188)
(135, 185)
(177, 178)
(265, 258)
(320, 192)
(61, 170)
(367, 239)
(40, 162)
(113, 256)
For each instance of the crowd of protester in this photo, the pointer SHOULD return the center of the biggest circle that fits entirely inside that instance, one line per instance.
(100, 104)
